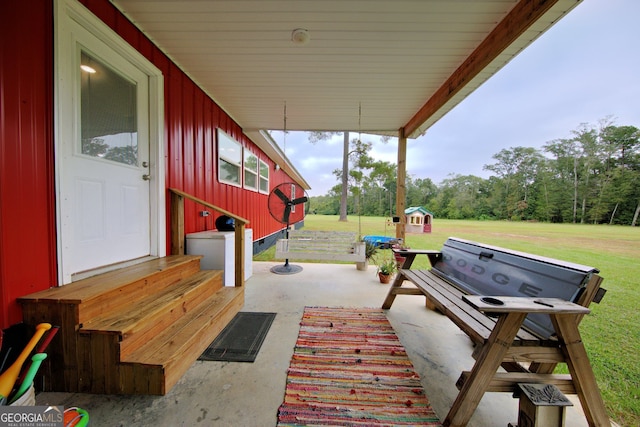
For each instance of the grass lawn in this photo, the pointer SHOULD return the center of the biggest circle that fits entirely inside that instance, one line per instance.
(611, 332)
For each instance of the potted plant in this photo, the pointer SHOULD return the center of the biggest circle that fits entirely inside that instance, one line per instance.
(386, 269)
(370, 249)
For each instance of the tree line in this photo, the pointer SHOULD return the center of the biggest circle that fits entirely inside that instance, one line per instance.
(591, 177)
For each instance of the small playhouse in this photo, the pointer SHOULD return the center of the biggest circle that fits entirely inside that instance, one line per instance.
(418, 220)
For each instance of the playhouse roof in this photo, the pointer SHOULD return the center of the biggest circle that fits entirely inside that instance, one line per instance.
(419, 209)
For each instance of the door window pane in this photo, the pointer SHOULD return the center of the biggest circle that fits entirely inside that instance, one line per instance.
(108, 120)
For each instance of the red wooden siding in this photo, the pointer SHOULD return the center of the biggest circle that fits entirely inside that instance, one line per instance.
(27, 216)
(28, 257)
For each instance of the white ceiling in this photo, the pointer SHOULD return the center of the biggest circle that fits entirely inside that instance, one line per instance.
(387, 58)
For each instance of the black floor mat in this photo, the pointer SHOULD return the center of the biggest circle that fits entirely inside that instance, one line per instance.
(241, 339)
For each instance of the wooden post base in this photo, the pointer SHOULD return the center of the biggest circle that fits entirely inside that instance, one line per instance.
(541, 405)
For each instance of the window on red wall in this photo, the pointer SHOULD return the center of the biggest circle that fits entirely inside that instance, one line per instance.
(250, 170)
(264, 177)
(229, 159)
(293, 196)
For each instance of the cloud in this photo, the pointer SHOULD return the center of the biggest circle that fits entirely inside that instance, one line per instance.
(580, 71)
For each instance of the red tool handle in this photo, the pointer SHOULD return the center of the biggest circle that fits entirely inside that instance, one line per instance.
(45, 342)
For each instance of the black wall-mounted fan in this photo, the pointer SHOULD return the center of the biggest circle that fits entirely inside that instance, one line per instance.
(283, 200)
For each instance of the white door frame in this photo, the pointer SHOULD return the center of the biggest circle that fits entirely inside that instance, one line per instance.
(72, 21)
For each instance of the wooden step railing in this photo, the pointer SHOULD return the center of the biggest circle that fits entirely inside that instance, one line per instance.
(178, 233)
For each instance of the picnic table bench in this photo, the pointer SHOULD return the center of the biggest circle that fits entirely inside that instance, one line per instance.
(521, 311)
(321, 245)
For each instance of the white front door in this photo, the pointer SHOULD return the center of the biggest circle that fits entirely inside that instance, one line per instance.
(106, 170)
(109, 186)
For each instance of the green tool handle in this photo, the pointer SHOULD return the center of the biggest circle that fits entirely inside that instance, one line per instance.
(36, 360)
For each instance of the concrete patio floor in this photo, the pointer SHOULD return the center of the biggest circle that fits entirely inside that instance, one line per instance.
(249, 394)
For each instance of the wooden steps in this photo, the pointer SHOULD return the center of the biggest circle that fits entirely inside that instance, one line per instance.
(134, 330)
(164, 354)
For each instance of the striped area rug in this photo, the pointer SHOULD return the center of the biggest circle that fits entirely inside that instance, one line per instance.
(350, 369)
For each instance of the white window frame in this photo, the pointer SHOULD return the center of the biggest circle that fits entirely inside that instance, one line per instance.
(248, 171)
(223, 136)
(262, 165)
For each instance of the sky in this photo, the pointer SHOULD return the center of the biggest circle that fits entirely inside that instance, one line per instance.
(584, 69)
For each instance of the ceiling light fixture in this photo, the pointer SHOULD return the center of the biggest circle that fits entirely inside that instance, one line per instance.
(300, 36)
(87, 69)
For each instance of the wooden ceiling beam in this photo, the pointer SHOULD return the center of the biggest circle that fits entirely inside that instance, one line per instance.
(521, 17)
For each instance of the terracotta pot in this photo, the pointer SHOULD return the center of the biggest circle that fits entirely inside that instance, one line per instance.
(399, 259)
(384, 278)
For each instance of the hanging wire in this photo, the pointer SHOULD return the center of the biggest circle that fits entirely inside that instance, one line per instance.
(284, 143)
(360, 189)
